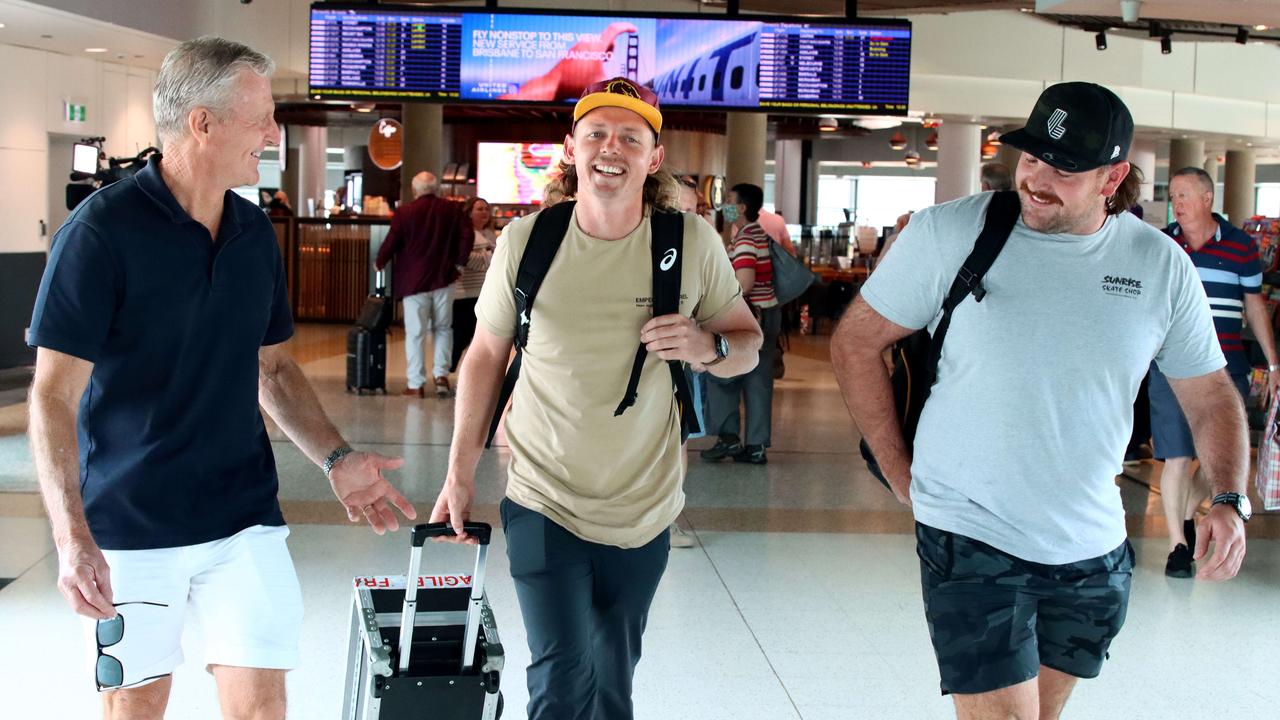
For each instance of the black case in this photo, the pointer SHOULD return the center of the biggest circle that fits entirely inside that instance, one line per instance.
(366, 360)
(431, 653)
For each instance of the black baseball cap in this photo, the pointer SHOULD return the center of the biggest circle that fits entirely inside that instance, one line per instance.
(1076, 126)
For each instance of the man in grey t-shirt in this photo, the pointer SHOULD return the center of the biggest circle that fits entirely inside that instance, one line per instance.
(1021, 535)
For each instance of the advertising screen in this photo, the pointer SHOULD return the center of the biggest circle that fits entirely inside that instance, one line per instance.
(754, 63)
(515, 173)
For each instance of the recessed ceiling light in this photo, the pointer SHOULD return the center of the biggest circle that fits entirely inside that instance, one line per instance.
(1, 25)
(95, 50)
(1259, 28)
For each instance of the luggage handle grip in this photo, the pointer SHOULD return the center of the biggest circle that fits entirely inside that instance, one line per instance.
(478, 530)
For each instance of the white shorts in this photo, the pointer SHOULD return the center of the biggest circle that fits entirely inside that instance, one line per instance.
(242, 590)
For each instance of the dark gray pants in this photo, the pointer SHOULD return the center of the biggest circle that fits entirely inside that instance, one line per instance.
(585, 607)
(755, 390)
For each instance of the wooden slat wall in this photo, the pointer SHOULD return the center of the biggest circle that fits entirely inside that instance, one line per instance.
(332, 271)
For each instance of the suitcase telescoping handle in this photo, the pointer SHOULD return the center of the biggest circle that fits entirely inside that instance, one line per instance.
(478, 530)
(482, 532)
(380, 283)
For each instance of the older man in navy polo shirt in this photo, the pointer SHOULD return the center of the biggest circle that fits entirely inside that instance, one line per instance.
(160, 325)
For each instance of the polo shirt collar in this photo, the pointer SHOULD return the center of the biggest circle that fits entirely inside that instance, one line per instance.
(152, 183)
(1219, 221)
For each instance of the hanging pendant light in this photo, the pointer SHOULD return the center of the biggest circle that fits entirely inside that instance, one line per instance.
(898, 141)
(932, 141)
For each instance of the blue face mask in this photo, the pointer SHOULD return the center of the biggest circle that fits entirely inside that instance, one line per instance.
(730, 213)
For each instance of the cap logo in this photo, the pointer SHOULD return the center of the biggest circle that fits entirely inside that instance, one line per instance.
(1115, 153)
(1056, 128)
(619, 86)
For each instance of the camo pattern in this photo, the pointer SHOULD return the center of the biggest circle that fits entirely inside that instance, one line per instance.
(995, 619)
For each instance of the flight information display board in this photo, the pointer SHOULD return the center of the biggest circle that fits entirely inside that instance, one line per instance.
(746, 63)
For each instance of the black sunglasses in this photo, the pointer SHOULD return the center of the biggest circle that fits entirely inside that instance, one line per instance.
(108, 671)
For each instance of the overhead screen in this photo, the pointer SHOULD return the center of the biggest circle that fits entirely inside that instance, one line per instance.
(778, 64)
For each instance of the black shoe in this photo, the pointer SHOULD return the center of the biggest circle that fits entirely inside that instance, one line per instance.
(721, 450)
(1189, 532)
(753, 454)
(1180, 563)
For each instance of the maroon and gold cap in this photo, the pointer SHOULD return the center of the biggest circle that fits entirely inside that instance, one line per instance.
(621, 93)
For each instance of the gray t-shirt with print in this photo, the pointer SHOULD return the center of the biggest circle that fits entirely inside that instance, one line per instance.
(1025, 429)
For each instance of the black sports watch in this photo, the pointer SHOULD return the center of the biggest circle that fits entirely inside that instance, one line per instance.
(722, 348)
(1240, 503)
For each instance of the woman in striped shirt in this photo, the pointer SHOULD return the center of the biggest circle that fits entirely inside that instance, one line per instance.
(467, 289)
(754, 267)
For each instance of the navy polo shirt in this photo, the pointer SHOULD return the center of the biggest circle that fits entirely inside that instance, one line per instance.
(173, 448)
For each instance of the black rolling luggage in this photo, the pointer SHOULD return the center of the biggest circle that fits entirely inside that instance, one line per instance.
(430, 652)
(367, 343)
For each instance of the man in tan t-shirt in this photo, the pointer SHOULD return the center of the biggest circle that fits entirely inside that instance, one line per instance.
(589, 495)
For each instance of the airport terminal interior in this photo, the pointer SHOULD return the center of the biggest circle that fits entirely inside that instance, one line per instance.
(799, 595)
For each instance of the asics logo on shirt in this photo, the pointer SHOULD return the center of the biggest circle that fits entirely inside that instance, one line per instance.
(668, 259)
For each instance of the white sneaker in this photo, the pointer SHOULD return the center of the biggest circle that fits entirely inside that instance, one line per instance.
(680, 538)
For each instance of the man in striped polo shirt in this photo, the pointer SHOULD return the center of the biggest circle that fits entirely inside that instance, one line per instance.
(1227, 261)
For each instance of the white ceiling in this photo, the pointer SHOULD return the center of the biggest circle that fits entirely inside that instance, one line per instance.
(1230, 12)
(27, 24)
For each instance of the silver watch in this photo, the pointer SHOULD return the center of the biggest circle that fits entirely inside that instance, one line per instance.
(340, 452)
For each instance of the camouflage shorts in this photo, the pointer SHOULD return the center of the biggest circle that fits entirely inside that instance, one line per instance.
(995, 619)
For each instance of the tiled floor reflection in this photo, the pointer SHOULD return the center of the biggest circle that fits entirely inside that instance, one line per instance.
(801, 601)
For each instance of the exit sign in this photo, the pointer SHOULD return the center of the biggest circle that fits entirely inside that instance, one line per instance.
(73, 112)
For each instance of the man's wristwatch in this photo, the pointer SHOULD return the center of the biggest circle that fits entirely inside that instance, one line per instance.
(340, 452)
(1240, 503)
(1273, 368)
(722, 348)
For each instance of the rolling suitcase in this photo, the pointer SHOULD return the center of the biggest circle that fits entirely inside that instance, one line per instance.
(367, 342)
(425, 650)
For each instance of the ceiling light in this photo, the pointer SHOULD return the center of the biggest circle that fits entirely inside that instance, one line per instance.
(898, 141)
(1166, 44)
(912, 158)
(993, 138)
(988, 151)
(878, 123)
(1129, 10)
(932, 141)
(1, 25)
(1259, 28)
(95, 50)
(1100, 40)
(1242, 35)
(363, 107)
(828, 124)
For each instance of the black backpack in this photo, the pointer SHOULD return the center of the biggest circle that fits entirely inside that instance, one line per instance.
(667, 251)
(915, 357)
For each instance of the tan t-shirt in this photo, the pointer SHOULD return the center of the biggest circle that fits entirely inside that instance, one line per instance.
(610, 480)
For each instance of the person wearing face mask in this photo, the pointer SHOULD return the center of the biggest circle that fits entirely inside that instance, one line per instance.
(467, 290)
(1024, 562)
(592, 489)
(753, 266)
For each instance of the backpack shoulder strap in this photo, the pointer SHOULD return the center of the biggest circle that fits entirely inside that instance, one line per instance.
(667, 259)
(548, 232)
(1002, 215)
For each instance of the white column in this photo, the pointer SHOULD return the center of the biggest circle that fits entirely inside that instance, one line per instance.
(313, 154)
(1185, 152)
(1142, 155)
(788, 177)
(1238, 189)
(959, 157)
(747, 137)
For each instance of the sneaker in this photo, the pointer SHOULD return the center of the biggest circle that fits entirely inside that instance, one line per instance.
(753, 454)
(1180, 563)
(1189, 532)
(721, 450)
(680, 538)
(442, 387)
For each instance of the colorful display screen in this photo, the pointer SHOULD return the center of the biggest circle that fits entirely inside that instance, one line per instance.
(515, 173)
(745, 64)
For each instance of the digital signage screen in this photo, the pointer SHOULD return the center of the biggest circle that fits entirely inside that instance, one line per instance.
(515, 173)
(744, 63)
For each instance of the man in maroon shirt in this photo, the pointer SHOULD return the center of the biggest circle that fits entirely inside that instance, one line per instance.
(429, 239)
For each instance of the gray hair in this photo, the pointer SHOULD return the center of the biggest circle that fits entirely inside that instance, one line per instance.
(201, 73)
(424, 183)
(995, 176)
(1206, 182)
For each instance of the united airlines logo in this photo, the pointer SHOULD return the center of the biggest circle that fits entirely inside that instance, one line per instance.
(1056, 128)
(1121, 286)
(668, 259)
